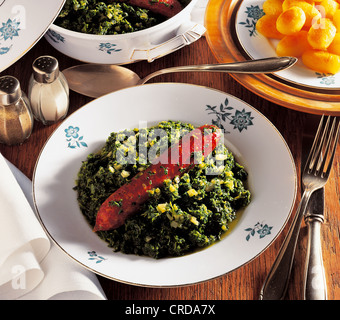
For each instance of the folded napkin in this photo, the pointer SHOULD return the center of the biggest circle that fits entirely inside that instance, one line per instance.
(31, 267)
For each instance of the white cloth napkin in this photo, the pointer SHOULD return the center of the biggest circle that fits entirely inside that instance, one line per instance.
(32, 267)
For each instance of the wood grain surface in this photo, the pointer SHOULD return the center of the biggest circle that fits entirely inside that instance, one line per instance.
(241, 284)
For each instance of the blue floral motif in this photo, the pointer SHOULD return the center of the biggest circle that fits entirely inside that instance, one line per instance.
(241, 119)
(73, 138)
(326, 78)
(108, 47)
(4, 50)
(8, 30)
(93, 256)
(261, 229)
(254, 13)
(55, 36)
(72, 132)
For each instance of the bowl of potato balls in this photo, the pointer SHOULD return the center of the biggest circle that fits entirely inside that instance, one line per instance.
(305, 29)
(309, 30)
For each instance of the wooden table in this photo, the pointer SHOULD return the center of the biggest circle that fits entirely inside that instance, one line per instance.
(244, 283)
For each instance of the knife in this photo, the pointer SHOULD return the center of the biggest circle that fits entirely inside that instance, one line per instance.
(314, 275)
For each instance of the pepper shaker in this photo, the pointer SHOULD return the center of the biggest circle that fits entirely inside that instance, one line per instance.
(16, 119)
(48, 91)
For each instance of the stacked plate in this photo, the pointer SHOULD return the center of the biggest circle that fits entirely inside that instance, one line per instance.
(232, 36)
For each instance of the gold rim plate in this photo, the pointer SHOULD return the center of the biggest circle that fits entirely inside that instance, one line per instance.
(223, 41)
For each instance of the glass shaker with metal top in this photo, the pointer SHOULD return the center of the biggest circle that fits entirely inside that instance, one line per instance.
(48, 91)
(16, 120)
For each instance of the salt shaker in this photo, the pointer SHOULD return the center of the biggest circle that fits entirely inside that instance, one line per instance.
(16, 119)
(48, 91)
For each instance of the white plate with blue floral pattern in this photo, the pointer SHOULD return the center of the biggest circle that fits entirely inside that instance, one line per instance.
(257, 46)
(255, 142)
(22, 24)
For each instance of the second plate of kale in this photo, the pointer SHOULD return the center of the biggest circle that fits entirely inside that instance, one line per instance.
(116, 17)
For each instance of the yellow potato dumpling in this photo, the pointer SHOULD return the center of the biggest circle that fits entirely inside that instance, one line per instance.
(321, 34)
(335, 45)
(266, 25)
(306, 29)
(336, 19)
(321, 61)
(291, 21)
(312, 14)
(293, 45)
(329, 7)
(272, 7)
(292, 3)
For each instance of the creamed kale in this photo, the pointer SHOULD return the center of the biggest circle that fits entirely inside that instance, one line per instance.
(188, 212)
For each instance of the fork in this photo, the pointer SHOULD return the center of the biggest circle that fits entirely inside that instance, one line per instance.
(314, 176)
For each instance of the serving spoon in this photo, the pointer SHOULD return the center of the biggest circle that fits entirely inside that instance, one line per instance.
(95, 80)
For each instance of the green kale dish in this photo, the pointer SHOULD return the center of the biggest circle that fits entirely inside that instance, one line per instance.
(188, 212)
(112, 17)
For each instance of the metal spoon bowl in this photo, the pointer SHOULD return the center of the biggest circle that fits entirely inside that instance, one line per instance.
(95, 80)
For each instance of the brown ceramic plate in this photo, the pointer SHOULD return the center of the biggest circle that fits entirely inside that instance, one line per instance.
(223, 41)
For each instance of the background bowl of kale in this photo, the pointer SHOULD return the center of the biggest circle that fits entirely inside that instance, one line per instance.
(110, 32)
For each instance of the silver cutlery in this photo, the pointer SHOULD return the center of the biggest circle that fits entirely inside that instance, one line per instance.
(314, 177)
(94, 80)
(314, 284)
